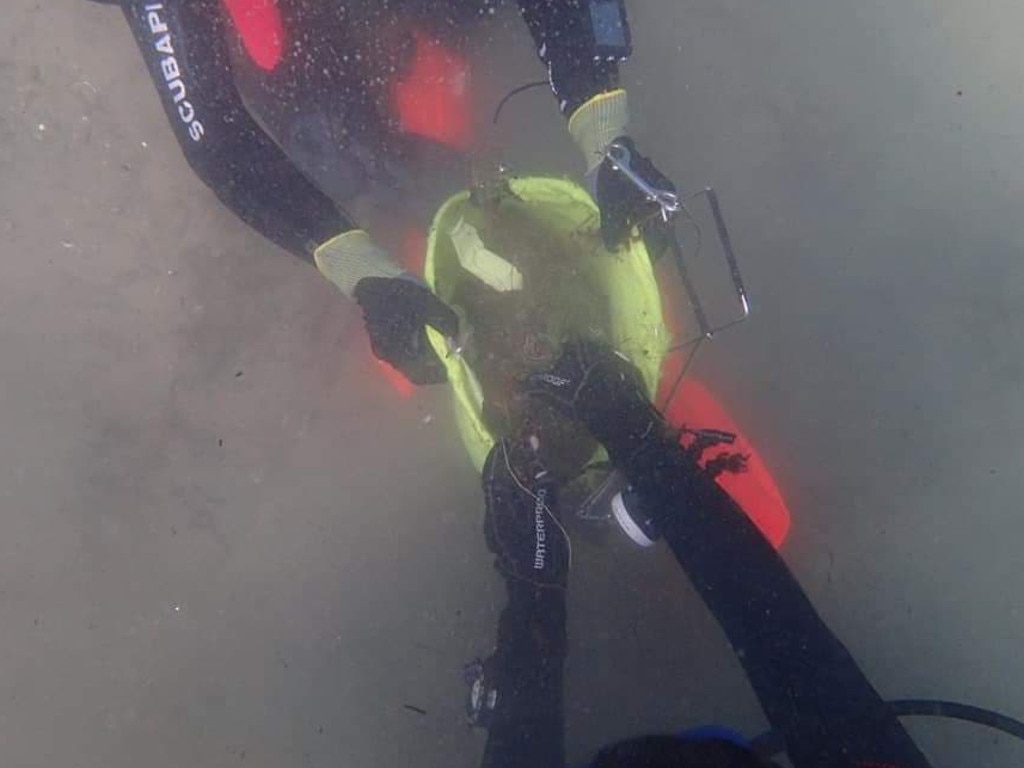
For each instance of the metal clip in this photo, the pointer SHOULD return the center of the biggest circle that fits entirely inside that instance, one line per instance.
(667, 201)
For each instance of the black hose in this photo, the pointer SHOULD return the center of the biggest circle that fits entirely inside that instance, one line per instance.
(515, 92)
(770, 745)
(955, 711)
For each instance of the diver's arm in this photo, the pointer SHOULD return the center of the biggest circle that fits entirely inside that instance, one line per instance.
(811, 689)
(582, 43)
(578, 67)
(186, 51)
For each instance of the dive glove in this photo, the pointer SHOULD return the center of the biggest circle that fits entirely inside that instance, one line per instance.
(396, 311)
(595, 126)
(624, 206)
(397, 306)
(602, 389)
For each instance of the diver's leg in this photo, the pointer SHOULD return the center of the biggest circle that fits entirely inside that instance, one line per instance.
(526, 725)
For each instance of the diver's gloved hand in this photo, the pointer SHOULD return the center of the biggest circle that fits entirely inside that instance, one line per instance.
(595, 126)
(624, 206)
(397, 307)
(396, 311)
(602, 389)
(521, 524)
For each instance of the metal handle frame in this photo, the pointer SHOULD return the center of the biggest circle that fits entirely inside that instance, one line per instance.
(669, 206)
(706, 330)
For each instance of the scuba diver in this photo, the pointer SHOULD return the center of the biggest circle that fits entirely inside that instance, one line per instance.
(822, 707)
(306, 52)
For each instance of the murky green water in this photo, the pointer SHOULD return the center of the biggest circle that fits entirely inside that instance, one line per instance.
(224, 540)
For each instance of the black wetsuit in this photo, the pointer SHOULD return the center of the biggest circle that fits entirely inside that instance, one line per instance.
(810, 688)
(191, 54)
